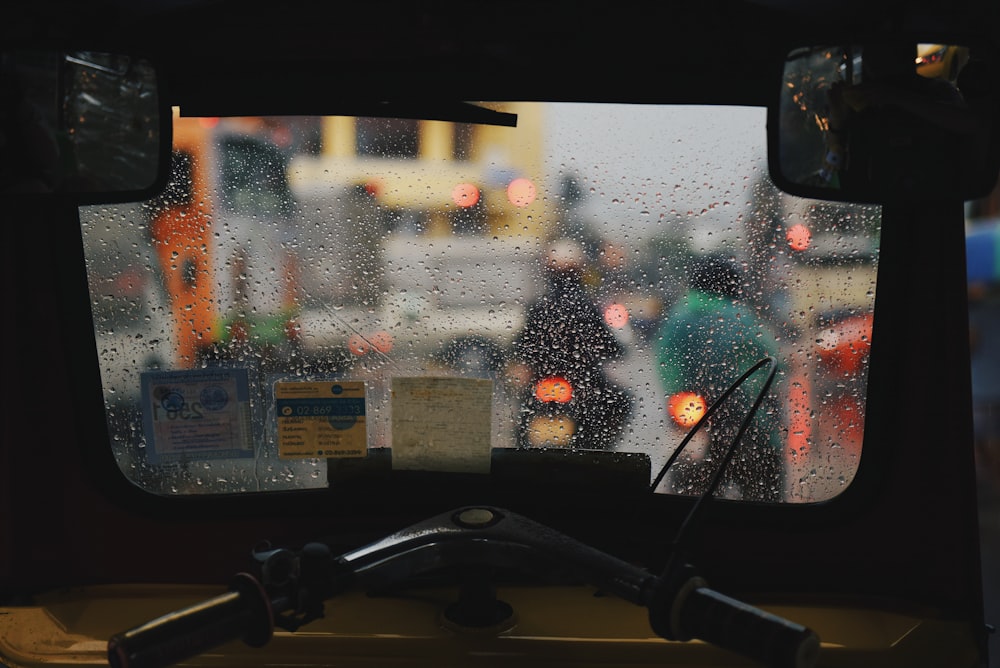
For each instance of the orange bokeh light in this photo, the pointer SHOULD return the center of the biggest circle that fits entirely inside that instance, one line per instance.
(616, 315)
(799, 237)
(382, 341)
(357, 344)
(521, 192)
(553, 389)
(465, 195)
(687, 408)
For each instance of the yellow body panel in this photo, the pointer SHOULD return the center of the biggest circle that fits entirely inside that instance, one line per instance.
(552, 626)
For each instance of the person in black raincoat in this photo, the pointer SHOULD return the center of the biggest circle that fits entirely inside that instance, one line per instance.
(565, 336)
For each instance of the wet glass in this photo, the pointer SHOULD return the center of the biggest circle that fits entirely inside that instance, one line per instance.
(259, 322)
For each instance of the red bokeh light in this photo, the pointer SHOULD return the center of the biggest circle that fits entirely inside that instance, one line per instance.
(465, 195)
(521, 192)
(799, 237)
(616, 315)
(554, 389)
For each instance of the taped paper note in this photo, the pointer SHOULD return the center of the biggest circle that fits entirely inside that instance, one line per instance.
(441, 424)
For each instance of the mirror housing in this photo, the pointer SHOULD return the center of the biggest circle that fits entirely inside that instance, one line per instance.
(882, 121)
(88, 126)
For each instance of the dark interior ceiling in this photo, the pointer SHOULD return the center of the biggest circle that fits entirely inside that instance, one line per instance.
(226, 52)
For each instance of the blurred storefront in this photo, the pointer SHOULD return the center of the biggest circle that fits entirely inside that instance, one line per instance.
(983, 266)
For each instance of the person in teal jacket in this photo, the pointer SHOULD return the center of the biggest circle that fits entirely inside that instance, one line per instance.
(707, 341)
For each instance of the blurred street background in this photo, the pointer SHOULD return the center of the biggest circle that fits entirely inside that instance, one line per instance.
(983, 264)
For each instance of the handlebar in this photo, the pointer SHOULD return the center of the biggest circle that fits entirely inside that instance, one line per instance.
(681, 606)
(245, 612)
(746, 630)
(684, 607)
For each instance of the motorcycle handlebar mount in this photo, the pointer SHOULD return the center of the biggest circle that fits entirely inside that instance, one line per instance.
(294, 585)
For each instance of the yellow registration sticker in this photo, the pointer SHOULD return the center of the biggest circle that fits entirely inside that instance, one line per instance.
(321, 419)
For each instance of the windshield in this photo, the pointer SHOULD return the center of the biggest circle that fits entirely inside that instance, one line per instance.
(311, 297)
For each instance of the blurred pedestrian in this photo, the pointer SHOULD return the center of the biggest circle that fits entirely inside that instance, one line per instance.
(708, 340)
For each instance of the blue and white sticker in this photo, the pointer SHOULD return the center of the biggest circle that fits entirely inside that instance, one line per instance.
(196, 414)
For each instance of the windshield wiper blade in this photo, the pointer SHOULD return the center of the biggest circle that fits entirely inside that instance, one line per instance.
(454, 111)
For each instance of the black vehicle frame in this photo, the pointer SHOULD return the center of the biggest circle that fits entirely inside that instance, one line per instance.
(903, 536)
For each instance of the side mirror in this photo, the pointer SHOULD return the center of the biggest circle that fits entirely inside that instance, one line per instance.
(886, 121)
(93, 127)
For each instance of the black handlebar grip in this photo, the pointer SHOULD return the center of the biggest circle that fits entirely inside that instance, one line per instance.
(723, 621)
(243, 613)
